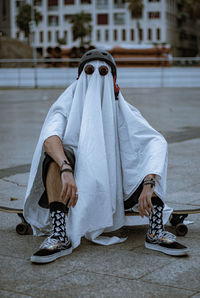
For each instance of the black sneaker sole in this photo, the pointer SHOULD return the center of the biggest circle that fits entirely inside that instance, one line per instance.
(51, 258)
(168, 251)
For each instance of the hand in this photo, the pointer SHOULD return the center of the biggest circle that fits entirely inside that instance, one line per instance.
(145, 205)
(69, 189)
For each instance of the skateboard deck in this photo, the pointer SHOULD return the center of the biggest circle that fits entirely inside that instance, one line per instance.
(176, 219)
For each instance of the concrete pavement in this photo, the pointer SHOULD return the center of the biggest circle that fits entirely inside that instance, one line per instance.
(123, 270)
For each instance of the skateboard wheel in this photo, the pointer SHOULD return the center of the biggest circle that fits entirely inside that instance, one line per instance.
(22, 228)
(181, 229)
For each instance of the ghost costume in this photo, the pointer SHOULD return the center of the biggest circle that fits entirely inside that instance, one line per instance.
(114, 147)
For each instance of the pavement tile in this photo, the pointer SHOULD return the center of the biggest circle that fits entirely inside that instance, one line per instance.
(7, 294)
(127, 262)
(20, 275)
(9, 189)
(18, 179)
(183, 273)
(196, 295)
(90, 284)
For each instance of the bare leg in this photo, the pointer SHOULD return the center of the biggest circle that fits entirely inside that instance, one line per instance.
(53, 183)
(57, 244)
(57, 207)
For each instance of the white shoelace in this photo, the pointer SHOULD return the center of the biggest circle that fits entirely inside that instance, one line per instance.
(48, 241)
(166, 234)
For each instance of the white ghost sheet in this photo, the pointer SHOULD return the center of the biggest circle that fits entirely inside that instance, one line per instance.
(114, 147)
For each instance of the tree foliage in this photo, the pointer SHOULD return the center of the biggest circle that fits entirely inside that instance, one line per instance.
(23, 18)
(81, 26)
(136, 8)
(189, 9)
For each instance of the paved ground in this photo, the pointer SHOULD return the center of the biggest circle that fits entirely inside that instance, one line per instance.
(123, 270)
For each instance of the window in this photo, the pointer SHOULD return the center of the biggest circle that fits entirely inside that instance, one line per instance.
(119, 3)
(149, 34)
(41, 36)
(52, 20)
(158, 33)
(106, 35)
(68, 2)
(154, 0)
(132, 37)
(56, 35)
(98, 35)
(41, 18)
(153, 14)
(115, 34)
(101, 4)
(49, 36)
(65, 35)
(37, 2)
(85, 1)
(119, 18)
(4, 10)
(52, 4)
(67, 17)
(102, 19)
(20, 3)
(123, 34)
(140, 34)
(33, 37)
(17, 34)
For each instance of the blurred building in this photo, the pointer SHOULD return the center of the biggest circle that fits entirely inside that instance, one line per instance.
(111, 22)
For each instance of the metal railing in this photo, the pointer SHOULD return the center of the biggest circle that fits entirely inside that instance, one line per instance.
(32, 73)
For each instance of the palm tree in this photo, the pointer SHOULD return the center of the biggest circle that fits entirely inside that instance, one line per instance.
(188, 11)
(136, 10)
(81, 26)
(192, 9)
(23, 19)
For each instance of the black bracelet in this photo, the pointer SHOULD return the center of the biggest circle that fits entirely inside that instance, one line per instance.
(151, 181)
(64, 162)
(66, 170)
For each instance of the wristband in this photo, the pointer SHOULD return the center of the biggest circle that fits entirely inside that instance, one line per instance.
(65, 170)
(150, 181)
(64, 162)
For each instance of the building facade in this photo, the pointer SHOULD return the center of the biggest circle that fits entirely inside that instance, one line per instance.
(112, 24)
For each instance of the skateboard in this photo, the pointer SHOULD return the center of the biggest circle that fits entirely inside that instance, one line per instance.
(22, 228)
(176, 219)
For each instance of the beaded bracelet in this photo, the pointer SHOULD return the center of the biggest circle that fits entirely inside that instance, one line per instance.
(150, 181)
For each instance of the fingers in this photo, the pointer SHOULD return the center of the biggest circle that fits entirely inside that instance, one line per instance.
(73, 198)
(69, 195)
(145, 206)
(63, 193)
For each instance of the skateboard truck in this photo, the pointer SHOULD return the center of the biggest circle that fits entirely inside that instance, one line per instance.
(23, 228)
(176, 221)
